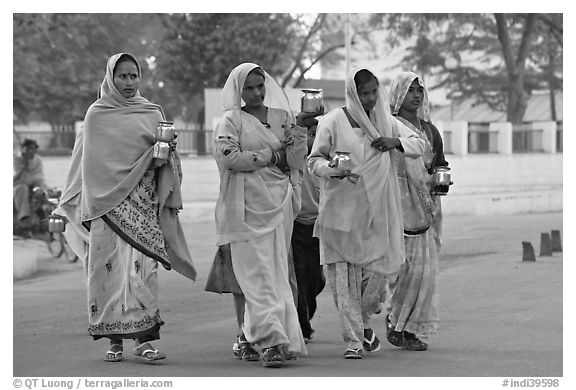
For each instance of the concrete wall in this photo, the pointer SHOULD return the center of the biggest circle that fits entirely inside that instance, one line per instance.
(484, 184)
(504, 184)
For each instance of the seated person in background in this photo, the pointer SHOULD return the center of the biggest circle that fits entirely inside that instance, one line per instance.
(28, 173)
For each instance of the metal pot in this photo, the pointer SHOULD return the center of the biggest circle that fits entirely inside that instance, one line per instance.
(442, 180)
(161, 150)
(311, 100)
(56, 223)
(342, 161)
(165, 131)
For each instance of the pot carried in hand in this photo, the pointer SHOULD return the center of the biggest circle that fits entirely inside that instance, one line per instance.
(56, 223)
(441, 179)
(165, 131)
(342, 161)
(161, 150)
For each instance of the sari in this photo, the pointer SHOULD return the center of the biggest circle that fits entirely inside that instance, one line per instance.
(256, 207)
(359, 223)
(122, 213)
(414, 303)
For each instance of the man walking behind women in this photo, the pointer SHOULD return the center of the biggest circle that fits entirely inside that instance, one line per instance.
(259, 151)
(122, 210)
(359, 222)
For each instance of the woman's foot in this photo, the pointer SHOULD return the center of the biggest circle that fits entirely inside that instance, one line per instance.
(288, 355)
(413, 343)
(272, 357)
(114, 354)
(394, 337)
(371, 342)
(148, 352)
(352, 353)
(245, 351)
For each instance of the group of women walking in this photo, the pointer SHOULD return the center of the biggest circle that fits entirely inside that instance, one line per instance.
(378, 221)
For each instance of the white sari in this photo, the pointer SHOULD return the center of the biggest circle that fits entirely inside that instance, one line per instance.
(256, 208)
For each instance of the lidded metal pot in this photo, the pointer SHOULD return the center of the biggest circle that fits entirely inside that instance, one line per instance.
(311, 100)
(442, 180)
(56, 223)
(165, 131)
(342, 161)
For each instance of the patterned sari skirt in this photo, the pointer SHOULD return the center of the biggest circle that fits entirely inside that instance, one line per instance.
(122, 280)
(414, 304)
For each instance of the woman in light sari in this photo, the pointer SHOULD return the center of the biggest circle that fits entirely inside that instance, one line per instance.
(121, 206)
(259, 150)
(359, 222)
(414, 304)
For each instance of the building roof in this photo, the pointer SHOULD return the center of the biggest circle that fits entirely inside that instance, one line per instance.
(467, 110)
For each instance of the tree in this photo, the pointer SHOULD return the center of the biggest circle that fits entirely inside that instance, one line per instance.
(497, 63)
(60, 60)
(321, 40)
(200, 50)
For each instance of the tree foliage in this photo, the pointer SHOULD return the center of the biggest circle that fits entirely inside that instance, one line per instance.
(499, 58)
(60, 60)
(200, 50)
(320, 41)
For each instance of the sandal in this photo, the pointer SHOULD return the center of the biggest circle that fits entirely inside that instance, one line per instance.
(393, 336)
(272, 357)
(248, 353)
(353, 353)
(148, 352)
(413, 343)
(114, 356)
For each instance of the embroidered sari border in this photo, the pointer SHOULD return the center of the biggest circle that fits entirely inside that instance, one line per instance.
(135, 244)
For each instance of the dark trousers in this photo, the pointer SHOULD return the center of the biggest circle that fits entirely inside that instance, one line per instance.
(309, 276)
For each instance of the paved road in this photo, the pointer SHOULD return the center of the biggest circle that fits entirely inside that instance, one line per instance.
(501, 317)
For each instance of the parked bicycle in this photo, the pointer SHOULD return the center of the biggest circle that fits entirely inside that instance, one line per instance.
(42, 204)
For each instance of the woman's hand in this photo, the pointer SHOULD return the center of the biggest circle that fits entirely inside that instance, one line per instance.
(282, 160)
(385, 144)
(158, 162)
(305, 119)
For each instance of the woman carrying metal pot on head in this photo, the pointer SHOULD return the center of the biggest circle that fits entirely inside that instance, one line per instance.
(414, 303)
(359, 222)
(121, 201)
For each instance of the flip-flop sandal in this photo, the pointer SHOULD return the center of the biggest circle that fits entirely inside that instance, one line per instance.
(113, 356)
(149, 354)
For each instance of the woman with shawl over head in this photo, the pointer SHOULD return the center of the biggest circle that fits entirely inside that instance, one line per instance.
(259, 150)
(122, 207)
(359, 222)
(414, 304)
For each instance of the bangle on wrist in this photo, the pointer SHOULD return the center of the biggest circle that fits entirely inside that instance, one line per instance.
(275, 157)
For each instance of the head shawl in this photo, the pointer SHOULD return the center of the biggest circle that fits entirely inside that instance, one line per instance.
(379, 124)
(399, 89)
(114, 150)
(108, 91)
(232, 92)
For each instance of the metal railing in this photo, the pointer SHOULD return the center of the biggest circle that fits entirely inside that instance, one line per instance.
(526, 139)
(60, 141)
(559, 135)
(447, 142)
(481, 139)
